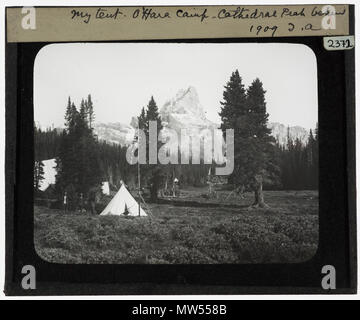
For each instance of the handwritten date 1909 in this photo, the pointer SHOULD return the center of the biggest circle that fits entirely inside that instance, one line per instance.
(263, 29)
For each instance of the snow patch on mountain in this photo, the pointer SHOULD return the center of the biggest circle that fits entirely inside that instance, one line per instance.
(49, 176)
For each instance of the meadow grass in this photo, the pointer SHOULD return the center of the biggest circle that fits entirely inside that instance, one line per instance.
(286, 232)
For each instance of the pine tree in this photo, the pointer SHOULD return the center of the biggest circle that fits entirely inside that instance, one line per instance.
(299, 163)
(234, 104)
(310, 149)
(78, 166)
(152, 114)
(254, 148)
(142, 120)
(90, 111)
(153, 173)
(257, 111)
(312, 161)
(70, 116)
(83, 112)
(46, 143)
(232, 113)
(66, 162)
(264, 166)
(38, 175)
(68, 113)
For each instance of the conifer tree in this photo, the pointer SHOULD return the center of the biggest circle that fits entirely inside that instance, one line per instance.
(310, 149)
(254, 152)
(68, 113)
(89, 107)
(78, 166)
(142, 120)
(234, 104)
(152, 114)
(151, 172)
(232, 113)
(299, 163)
(38, 175)
(263, 166)
(83, 112)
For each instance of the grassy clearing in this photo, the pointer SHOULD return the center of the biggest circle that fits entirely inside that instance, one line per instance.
(286, 232)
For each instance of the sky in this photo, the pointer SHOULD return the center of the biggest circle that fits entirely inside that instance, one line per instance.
(122, 77)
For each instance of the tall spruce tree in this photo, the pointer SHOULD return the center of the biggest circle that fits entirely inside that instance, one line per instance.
(234, 104)
(152, 172)
(312, 162)
(152, 114)
(68, 113)
(89, 109)
(142, 120)
(78, 167)
(264, 165)
(254, 151)
(232, 114)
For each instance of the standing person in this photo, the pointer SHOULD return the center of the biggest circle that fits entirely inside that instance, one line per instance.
(175, 187)
(65, 201)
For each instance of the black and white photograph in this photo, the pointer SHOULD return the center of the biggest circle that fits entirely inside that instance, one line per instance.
(175, 153)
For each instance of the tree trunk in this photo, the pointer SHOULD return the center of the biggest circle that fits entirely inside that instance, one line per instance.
(166, 185)
(258, 192)
(154, 193)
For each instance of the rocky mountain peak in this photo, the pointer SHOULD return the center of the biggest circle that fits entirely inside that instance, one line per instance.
(185, 102)
(184, 111)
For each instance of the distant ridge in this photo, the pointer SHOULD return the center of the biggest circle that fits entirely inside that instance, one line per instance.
(185, 111)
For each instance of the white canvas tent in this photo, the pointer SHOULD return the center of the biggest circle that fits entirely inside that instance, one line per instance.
(121, 202)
